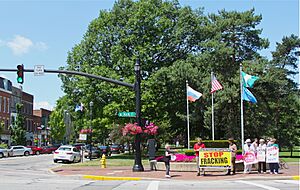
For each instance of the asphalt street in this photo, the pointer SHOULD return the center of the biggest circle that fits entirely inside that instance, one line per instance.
(32, 173)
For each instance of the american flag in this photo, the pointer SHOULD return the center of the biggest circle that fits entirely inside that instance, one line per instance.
(215, 85)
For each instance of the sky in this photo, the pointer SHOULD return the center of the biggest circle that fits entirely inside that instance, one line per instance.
(43, 32)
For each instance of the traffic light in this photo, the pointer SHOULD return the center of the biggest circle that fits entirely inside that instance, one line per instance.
(20, 74)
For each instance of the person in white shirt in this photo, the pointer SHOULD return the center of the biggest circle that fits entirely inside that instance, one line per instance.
(262, 148)
(247, 148)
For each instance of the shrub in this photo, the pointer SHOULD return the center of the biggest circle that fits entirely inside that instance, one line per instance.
(212, 144)
(3, 145)
(189, 152)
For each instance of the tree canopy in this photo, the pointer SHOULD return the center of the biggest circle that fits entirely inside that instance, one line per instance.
(175, 43)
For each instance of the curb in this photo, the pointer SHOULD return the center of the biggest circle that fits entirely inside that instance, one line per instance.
(296, 178)
(104, 178)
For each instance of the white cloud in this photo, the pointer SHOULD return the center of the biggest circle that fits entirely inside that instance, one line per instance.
(45, 105)
(20, 45)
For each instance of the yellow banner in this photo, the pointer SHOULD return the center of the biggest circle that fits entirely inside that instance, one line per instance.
(214, 158)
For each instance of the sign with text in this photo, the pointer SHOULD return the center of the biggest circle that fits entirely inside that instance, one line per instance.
(126, 114)
(38, 70)
(250, 158)
(82, 137)
(261, 154)
(214, 158)
(272, 154)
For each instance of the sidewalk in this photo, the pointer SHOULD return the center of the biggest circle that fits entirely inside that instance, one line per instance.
(125, 173)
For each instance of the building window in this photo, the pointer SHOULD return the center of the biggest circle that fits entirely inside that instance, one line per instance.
(4, 104)
(0, 103)
(8, 105)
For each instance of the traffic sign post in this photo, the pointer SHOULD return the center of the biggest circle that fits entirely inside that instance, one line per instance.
(127, 114)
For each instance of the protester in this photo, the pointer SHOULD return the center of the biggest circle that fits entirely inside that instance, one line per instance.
(198, 146)
(248, 147)
(167, 158)
(261, 156)
(233, 149)
(255, 144)
(273, 166)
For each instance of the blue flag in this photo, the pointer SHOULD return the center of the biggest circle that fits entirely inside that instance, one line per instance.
(248, 80)
(248, 96)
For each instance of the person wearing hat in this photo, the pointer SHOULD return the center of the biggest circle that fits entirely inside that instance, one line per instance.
(233, 149)
(248, 147)
(262, 148)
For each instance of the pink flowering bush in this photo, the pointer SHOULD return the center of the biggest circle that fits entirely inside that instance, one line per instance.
(131, 128)
(239, 157)
(84, 131)
(151, 129)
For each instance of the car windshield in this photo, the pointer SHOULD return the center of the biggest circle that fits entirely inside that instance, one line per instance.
(65, 149)
(103, 147)
(115, 146)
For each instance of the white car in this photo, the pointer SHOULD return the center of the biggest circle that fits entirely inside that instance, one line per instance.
(3, 152)
(19, 151)
(67, 153)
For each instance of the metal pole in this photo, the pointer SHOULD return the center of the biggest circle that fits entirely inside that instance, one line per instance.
(91, 128)
(212, 112)
(187, 115)
(138, 167)
(242, 110)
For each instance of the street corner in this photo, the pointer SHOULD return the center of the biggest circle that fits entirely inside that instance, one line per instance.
(108, 178)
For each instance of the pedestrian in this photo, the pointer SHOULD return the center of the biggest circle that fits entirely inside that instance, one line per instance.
(233, 150)
(255, 144)
(197, 147)
(274, 167)
(248, 147)
(261, 156)
(167, 158)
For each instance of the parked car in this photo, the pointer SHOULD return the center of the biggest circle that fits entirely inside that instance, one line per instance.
(105, 150)
(50, 149)
(79, 146)
(117, 148)
(3, 152)
(67, 153)
(19, 151)
(35, 149)
(95, 152)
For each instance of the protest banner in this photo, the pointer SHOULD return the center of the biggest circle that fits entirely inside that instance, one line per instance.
(250, 158)
(261, 154)
(272, 154)
(214, 157)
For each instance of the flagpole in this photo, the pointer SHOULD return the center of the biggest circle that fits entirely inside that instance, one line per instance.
(242, 110)
(187, 115)
(212, 112)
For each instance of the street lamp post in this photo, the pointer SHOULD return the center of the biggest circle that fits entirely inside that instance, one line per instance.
(137, 88)
(91, 127)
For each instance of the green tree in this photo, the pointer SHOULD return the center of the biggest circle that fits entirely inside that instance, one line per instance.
(17, 131)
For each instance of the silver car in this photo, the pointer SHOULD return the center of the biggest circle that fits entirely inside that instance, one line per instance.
(19, 151)
(3, 152)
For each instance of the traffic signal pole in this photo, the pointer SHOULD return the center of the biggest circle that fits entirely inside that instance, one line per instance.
(77, 73)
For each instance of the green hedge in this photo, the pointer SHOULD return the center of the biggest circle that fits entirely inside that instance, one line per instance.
(3, 145)
(189, 152)
(212, 144)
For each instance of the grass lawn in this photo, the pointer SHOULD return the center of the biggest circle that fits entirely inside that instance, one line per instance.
(289, 154)
(291, 159)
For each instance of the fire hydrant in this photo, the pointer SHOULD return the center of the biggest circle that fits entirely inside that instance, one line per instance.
(103, 161)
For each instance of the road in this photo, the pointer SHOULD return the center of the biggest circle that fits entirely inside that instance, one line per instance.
(32, 172)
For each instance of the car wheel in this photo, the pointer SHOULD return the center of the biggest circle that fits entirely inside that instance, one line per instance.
(1, 155)
(37, 152)
(55, 161)
(26, 153)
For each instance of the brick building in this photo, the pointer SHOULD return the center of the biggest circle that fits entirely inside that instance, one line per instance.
(5, 99)
(42, 117)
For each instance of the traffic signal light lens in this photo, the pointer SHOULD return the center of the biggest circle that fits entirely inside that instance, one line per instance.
(20, 75)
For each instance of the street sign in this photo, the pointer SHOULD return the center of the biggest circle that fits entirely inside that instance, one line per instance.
(38, 70)
(82, 137)
(126, 114)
